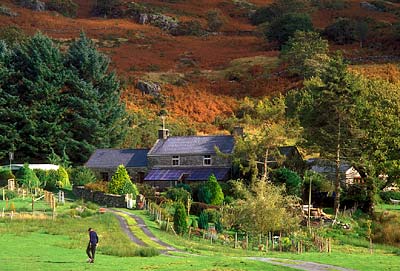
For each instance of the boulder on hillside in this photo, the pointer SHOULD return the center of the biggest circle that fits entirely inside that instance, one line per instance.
(35, 5)
(148, 88)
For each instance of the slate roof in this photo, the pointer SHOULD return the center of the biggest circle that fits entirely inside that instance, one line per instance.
(189, 174)
(192, 145)
(325, 166)
(112, 158)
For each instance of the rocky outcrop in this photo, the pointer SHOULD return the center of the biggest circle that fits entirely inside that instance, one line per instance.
(35, 5)
(8, 12)
(369, 6)
(149, 88)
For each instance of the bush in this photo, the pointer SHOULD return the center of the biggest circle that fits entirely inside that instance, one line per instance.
(180, 219)
(10, 194)
(290, 178)
(67, 8)
(204, 194)
(148, 191)
(51, 180)
(203, 221)
(121, 183)
(5, 175)
(188, 28)
(197, 208)
(81, 176)
(342, 31)
(100, 186)
(386, 196)
(110, 8)
(284, 27)
(27, 177)
(213, 215)
(178, 195)
(195, 224)
(63, 178)
(184, 186)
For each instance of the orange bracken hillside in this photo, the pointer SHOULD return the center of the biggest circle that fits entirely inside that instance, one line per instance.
(138, 49)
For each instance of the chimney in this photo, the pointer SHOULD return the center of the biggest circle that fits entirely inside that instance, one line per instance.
(237, 131)
(163, 133)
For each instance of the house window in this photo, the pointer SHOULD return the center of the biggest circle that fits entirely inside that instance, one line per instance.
(104, 176)
(175, 160)
(207, 160)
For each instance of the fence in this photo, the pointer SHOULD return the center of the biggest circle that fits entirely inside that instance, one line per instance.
(242, 240)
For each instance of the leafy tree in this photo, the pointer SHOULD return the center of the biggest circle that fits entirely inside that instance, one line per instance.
(121, 183)
(178, 195)
(27, 177)
(281, 29)
(342, 31)
(82, 176)
(278, 9)
(290, 178)
(306, 54)
(217, 197)
(327, 113)
(180, 219)
(265, 209)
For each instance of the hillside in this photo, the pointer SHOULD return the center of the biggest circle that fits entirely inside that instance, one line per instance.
(203, 76)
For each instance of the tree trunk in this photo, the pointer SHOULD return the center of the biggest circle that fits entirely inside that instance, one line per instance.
(337, 180)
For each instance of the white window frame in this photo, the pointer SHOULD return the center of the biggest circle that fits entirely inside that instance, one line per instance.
(207, 161)
(176, 160)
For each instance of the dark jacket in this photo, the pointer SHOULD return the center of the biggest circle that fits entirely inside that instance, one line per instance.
(94, 239)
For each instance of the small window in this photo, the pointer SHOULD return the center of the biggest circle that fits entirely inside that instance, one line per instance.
(207, 160)
(175, 160)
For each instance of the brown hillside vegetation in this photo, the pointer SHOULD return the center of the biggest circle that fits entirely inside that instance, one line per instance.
(212, 81)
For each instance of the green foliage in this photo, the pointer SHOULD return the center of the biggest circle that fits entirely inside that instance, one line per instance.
(291, 179)
(63, 178)
(278, 9)
(342, 31)
(107, 8)
(5, 175)
(212, 215)
(67, 8)
(12, 35)
(185, 187)
(180, 219)
(281, 29)
(57, 100)
(11, 194)
(203, 221)
(98, 186)
(121, 183)
(204, 194)
(330, 4)
(188, 28)
(387, 195)
(27, 177)
(217, 197)
(306, 54)
(178, 195)
(82, 176)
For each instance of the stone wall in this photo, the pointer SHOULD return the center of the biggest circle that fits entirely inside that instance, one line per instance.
(188, 160)
(102, 199)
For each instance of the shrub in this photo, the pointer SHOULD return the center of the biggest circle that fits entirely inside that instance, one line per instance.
(218, 226)
(212, 214)
(67, 8)
(342, 31)
(386, 196)
(27, 177)
(5, 175)
(51, 180)
(63, 178)
(121, 183)
(290, 178)
(204, 194)
(109, 8)
(386, 228)
(12, 35)
(10, 194)
(148, 191)
(184, 186)
(82, 176)
(188, 28)
(283, 28)
(178, 195)
(197, 208)
(203, 221)
(195, 224)
(100, 186)
(146, 252)
(217, 197)
(180, 219)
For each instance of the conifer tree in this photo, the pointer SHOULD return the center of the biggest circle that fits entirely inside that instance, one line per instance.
(121, 183)
(180, 219)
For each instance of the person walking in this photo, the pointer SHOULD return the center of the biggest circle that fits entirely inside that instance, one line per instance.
(91, 248)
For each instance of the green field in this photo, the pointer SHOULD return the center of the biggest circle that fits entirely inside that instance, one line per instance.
(60, 245)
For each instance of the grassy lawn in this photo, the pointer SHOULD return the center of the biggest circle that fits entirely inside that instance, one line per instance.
(355, 256)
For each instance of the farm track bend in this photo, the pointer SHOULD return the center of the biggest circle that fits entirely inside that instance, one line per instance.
(296, 264)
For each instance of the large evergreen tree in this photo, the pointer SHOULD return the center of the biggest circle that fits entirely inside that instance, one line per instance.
(50, 101)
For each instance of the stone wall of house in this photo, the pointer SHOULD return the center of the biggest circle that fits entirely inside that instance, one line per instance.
(98, 197)
(188, 160)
